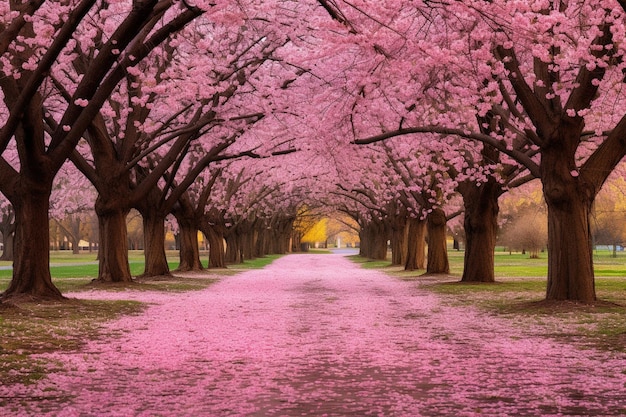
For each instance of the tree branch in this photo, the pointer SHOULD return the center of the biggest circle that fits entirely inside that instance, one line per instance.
(517, 155)
(45, 63)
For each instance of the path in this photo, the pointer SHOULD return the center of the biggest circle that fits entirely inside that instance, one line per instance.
(314, 335)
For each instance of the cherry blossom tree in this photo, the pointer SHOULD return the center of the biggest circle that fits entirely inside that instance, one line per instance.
(187, 107)
(428, 183)
(556, 68)
(264, 201)
(37, 44)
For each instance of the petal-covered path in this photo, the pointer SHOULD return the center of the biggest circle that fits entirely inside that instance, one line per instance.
(315, 335)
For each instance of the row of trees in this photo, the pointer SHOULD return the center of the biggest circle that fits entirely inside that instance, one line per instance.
(401, 115)
(515, 89)
(149, 100)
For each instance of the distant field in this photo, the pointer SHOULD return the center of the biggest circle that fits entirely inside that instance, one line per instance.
(72, 271)
(516, 264)
(69, 270)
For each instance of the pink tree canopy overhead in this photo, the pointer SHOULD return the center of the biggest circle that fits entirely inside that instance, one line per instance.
(36, 44)
(548, 73)
(494, 88)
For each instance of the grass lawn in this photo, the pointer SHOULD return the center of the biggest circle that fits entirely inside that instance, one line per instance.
(73, 272)
(516, 264)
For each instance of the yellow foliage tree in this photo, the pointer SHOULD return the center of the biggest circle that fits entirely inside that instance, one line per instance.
(317, 233)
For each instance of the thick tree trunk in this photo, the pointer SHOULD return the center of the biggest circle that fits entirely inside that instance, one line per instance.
(216, 247)
(416, 246)
(281, 242)
(369, 241)
(377, 236)
(189, 251)
(248, 243)
(75, 242)
(437, 245)
(481, 228)
(296, 241)
(264, 242)
(397, 247)
(188, 225)
(570, 256)
(154, 245)
(31, 265)
(234, 253)
(570, 252)
(73, 229)
(113, 248)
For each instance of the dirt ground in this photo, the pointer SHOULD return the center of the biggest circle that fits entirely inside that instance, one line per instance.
(315, 335)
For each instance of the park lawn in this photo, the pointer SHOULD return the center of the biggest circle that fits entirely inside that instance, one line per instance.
(255, 263)
(515, 264)
(74, 272)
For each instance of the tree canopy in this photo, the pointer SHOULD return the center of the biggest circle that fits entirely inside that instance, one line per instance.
(232, 116)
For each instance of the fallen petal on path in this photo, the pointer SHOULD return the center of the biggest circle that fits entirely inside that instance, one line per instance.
(315, 335)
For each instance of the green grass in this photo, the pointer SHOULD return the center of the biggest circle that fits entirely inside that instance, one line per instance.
(516, 264)
(255, 263)
(82, 268)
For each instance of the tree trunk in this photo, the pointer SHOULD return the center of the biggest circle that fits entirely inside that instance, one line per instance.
(113, 248)
(363, 242)
(8, 239)
(189, 252)
(248, 242)
(374, 240)
(281, 241)
(399, 241)
(233, 248)
(481, 228)
(31, 265)
(74, 235)
(296, 241)
(437, 244)
(75, 242)
(216, 247)
(416, 247)
(570, 251)
(263, 241)
(570, 260)
(365, 237)
(154, 245)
